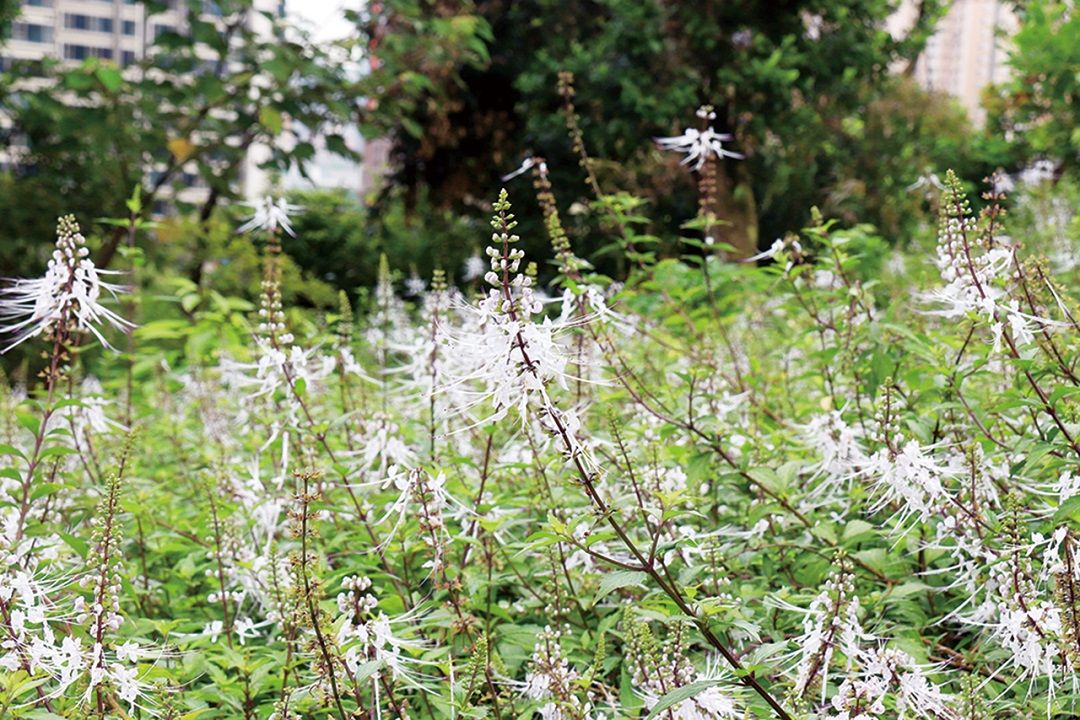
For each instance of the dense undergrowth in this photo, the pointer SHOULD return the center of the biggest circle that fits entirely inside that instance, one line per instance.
(843, 484)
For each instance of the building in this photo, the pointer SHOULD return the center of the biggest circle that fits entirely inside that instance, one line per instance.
(968, 50)
(325, 22)
(124, 32)
(115, 30)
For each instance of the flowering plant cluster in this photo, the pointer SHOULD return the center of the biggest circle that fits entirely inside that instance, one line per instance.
(814, 485)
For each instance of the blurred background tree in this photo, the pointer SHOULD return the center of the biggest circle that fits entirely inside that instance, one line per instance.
(808, 88)
(9, 10)
(817, 93)
(1038, 111)
(85, 134)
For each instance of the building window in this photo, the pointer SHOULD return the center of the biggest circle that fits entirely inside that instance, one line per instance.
(88, 22)
(129, 27)
(127, 57)
(160, 30)
(81, 52)
(38, 3)
(31, 32)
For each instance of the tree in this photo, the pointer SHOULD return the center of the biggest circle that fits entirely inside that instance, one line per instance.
(784, 78)
(86, 135)
(1040, 106)
(9, 10)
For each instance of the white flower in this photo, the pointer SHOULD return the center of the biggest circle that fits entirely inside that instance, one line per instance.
(1038, 172)
(709, 704)
(270, 214)
(1002, 182)
(910, 478)
(814, 24)
(675, 670)
(887, 667)
(1021, 324)
(126, 682)
(841, 448)
(500, 355)
(929, 180)
(273, 367)
(551, 677)
(473, 268)
(213, 630)
(245, 628)
(525, 166)
(415, 285)
(70, 293)
(128, 652)
(698, 145)
(831, 623)
(10, 662)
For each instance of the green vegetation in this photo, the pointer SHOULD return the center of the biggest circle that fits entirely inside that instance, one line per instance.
(571, 449)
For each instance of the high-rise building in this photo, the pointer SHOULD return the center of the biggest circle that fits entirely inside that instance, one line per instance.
(116, 30)
(968, 50)
(124, 32)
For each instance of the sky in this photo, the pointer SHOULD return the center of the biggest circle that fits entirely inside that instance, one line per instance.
(325, 18)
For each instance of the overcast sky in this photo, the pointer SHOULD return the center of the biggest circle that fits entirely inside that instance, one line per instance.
(324, 18)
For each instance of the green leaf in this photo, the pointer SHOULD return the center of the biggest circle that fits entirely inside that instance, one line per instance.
(57, 451)
(366, 670)
(619, 579)
(874, 558)
(678, 695)
(43, 489)
(768, 479)
(28, 421)
(905, 589)
(271, 119)
(41, 714)
(857, 529)
(77, 544)
(6, 449)
(163, 329)
(1068, 510)
(190, 302)
(110, 77)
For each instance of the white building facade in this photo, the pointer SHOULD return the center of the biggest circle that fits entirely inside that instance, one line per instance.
(122, 31)
(968, 51)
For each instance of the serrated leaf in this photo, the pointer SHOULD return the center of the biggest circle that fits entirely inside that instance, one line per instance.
(43, 489)
(77, 544)
(678, 695)
(57, 451)
(6, 449)
(856, 529)
(619, 579)
(1068, 510)
(366, 670)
